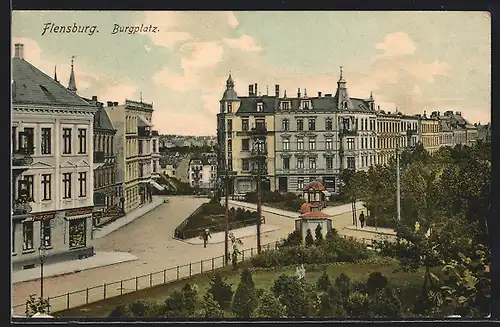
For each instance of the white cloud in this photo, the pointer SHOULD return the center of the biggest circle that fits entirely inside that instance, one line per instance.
(202, 54)
(243, 43)
(176, 82)
(396, 44)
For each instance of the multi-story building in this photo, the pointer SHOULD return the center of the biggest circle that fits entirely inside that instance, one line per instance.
(318, 136)
(107, 188)
(155, 155)
(240, 123)
(133, 151)
(202, 173)
(410, 135)
(484, 132)
(52, 166)
(389, 131)
(430, 133)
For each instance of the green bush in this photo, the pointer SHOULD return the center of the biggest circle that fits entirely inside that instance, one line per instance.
(358, 305)
(183, 303)
(293, 239)
(387, 303)
(245, 297)
(325, 308)
(376, 281)
(318, 234)
(323, 283)
(269, 306)
(121, 311)
(211, 308)
(309, 238)
(293, 294)
(344, 285)
(221, 291)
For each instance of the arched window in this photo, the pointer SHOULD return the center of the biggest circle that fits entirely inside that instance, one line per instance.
(345, 104)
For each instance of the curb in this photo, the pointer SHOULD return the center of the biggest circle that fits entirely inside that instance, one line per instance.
(268, 231)
(369, 231)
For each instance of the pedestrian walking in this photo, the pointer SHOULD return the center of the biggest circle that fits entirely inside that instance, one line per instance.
(362, 219)
(206, 235)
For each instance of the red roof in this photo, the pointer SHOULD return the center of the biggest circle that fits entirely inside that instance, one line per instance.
(315, 215)
(315, 185)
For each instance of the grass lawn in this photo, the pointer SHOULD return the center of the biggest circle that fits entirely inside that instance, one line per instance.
(263, 278)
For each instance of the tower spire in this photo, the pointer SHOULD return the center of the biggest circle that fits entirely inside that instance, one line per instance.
(72, 82)
(55, 74)
(342, 97)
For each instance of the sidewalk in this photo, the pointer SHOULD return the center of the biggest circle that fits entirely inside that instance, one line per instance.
(371, 229)
(238, 233)
(100, 259)
(128, 218)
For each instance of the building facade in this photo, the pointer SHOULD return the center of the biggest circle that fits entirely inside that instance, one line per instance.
(389, 135)
(133, 149)
(52, 161)
(430, 133)
(202, 174)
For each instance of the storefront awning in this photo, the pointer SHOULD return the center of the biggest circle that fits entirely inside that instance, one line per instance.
(156, 185)
(326, 193)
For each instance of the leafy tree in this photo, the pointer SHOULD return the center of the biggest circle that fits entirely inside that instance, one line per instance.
(387, 303)
(325, 308)
(323, 283)
(270, 306)
(358, 305)
(376, 281)
(36, 305)
(190, 294)
(183, 303)
(211, 308)
(221, 291)
(293, 295)
(245, 297)
(344, 286)
(309, 238)
(318, 234)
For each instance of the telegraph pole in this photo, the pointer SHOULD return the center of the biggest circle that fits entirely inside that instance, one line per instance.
(398, 186)
(259, 196)
(226, 232)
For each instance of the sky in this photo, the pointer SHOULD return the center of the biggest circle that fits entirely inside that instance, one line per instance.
(412, 61)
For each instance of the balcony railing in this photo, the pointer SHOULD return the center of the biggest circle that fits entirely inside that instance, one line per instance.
(143, 131)
(99, 156)
(22, 157)
(21, 207)
(259, 129)
(259, 152)
(349, 132)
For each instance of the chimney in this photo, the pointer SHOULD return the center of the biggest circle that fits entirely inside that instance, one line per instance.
(19, 51)
(425, 114)
(115, 103)
(319, 94)
(277, 90)
(298, 92)
(250, 90)
(439, 114)
(94, 98)
(378, 107)
(255, 89)
(110, 103)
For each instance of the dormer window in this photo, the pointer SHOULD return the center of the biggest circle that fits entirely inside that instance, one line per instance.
(344, 104)
(285, 105)
(372, 106)
(306, 104)
(229, 107)
(260, 107)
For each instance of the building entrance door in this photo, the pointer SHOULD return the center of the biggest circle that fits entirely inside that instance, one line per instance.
(283, 185)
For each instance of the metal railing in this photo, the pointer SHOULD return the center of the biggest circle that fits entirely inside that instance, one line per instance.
(120, 287)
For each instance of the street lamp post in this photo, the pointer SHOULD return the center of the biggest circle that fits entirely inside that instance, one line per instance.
(41, 251)
(398, 186)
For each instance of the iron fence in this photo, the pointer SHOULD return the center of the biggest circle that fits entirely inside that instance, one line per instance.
(120, 287)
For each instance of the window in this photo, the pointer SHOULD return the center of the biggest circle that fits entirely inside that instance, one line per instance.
(329, 183)
(328, 125)
(46, 239)
(329, 143)
(245, 164)
(260, 107)
(82, 140)
(229, 145)
(286, 163)
(371, 142)
(300, 163)
(306, 104)
(229, 107)
(46, 140)
(229, 125)
(14, 138)
(329, 163)
(312, 144)
(77, 233)
(300, 144)
(245, 145)
(312, 124)
(26, 139)
(312, 163)
(26, 187)
(154, 146)
(67, 185)
(345, 104)
(286, 144)
(260, 124)
(300, 124)
(350, 144)
(66, 140)
(351, 163)
(300, 183)
(27, 235)
(82, 180)
(285, 105)
(244, 124)
(46, 187)
(285, 125)
(13, 237)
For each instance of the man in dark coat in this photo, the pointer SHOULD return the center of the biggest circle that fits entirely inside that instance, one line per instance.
(206, 235)
(362, 219)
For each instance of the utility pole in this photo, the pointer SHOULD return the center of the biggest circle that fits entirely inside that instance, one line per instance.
(398, 186)
(259, 195)
(226, 232)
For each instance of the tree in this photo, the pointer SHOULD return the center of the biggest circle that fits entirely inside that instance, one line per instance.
(358, 305)
(387, 303)
(211, 308)
(323, 283)
(293, 295)
(309, 238)
(270, 306)
(36, 305)
(245, 297)
(221, 291)
(293, 239)
(376, 281)
(183, 303)
(318, 235)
